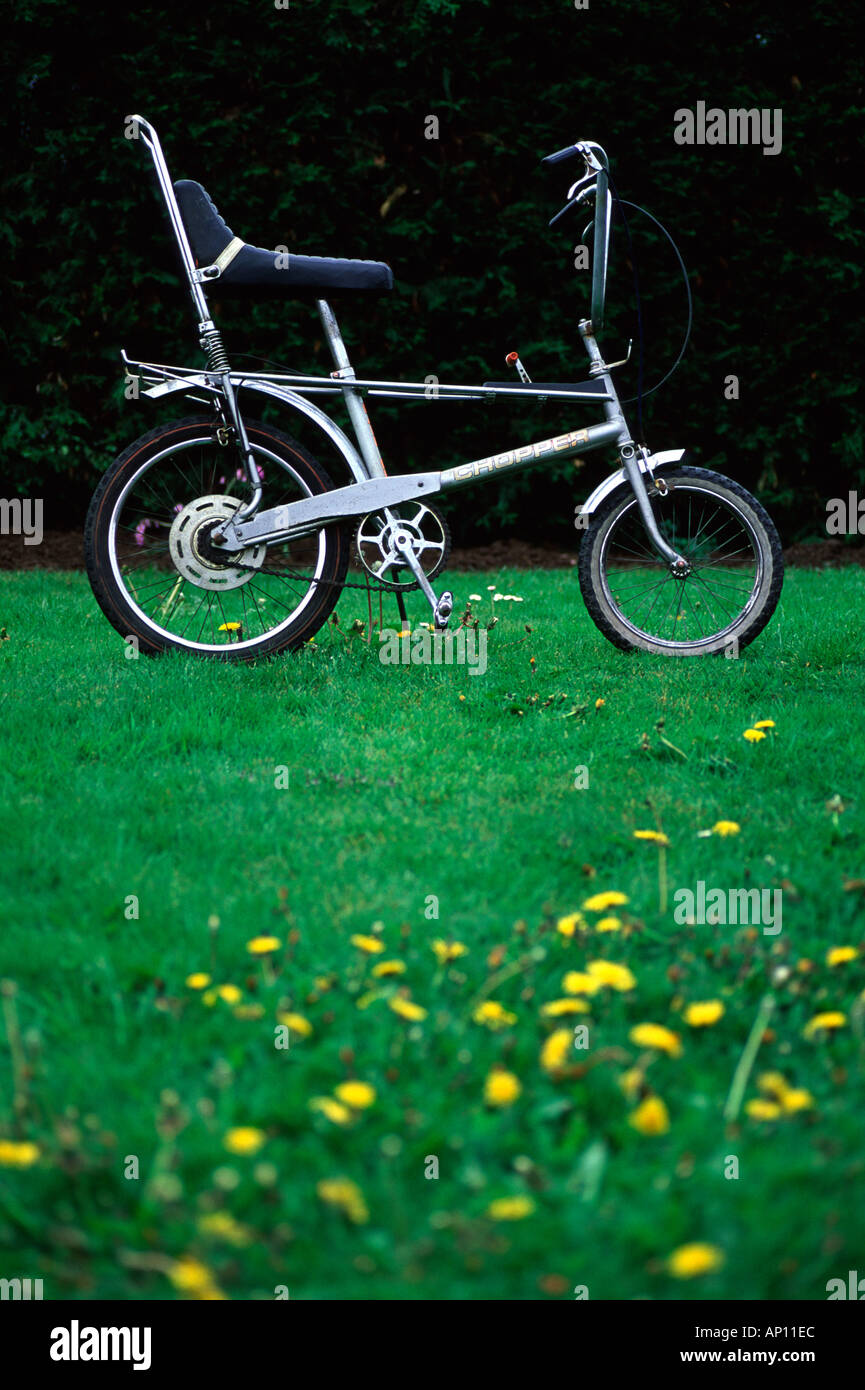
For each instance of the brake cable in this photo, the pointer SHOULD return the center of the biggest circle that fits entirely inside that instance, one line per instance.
(622, 203)
(641, 394)
(640, 347)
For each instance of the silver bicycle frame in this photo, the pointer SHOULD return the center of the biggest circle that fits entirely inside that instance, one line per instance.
(372, 489)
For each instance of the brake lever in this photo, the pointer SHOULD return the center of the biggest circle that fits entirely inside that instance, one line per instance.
(588, 177)
(575, 202)
(561, 212)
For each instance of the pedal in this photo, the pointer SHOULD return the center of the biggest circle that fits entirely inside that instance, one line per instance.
(442, 610)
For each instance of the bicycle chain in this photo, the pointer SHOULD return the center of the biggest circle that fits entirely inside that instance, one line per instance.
(336, 584)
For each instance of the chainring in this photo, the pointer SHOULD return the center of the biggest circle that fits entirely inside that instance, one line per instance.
(422, 526)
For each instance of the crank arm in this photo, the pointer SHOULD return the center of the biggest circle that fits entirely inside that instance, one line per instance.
(412, 562)
(441, 607)
(294, 519)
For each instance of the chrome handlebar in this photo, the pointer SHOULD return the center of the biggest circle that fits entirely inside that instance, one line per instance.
(596, 181)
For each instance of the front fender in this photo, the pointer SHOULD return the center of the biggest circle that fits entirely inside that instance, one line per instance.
(603, 490)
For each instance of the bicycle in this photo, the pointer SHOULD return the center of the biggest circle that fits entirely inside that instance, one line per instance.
(220, 535)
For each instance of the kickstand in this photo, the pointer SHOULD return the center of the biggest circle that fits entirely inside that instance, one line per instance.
(403, 616)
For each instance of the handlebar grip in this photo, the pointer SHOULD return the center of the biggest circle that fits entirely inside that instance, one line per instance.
(570, 152)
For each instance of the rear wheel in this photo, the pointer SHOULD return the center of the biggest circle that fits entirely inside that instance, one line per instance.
(158, 578)
(732, 548)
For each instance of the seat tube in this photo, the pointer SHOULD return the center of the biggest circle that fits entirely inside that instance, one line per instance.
(357, 413)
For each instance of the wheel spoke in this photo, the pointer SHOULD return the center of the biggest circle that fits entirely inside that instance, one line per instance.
(721, 546)
(182, 590)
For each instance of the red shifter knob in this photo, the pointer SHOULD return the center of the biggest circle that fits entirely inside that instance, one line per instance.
(513, 360)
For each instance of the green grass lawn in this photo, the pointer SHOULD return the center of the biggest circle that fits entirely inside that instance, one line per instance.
(145, 840)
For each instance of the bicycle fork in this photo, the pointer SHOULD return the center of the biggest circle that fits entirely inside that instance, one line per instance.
(628, 452)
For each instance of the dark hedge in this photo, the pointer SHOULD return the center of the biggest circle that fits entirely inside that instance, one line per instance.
(307, 124)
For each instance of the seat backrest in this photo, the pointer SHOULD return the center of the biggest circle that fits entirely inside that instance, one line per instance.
(207, 232)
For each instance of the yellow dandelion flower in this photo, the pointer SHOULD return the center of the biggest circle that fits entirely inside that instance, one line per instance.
(704, 1013)
(228, 627)
(493, 1015)
(249, 1011)
(448, 950)
(501, 1088)
(370, 944)
(198, 980)
(331, 1109)
(556, 1049)
(839, 955)
(230, 993)
(725, 828)
(578, 982)
(657, 1037)
(656, 836)
(773, 1084)
(346, 1195)
(263, 945)
(357, 1094)
(244, 1140)
(389, 967)
(510, 1208)
(221, 1225)
(689, 1261)
(296, 1023)
(18, 1155)
(557, 1007)
(824, 1023)
(790, 1100)
(795, 1100)
(760, 1109)
(618, 977)
(630, 1082)
(753, 735)
(601, 902)
(216, 1223)
(368, 998)
(609, 924)
(406, 1008)
(570, 924)
(650, 1117)
(765, 724)
(190, 1275)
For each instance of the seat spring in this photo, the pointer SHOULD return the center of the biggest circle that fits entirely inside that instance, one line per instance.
(217, 357)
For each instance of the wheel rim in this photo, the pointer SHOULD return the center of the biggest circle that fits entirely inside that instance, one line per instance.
(201, 615)
(717, 537)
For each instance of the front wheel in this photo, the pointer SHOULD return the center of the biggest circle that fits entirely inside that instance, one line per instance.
(734, 554)
(155, 572)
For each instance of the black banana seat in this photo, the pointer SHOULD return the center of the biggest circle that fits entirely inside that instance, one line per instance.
(252, 267)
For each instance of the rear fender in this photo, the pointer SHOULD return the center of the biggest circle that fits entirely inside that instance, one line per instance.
(291, 399)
